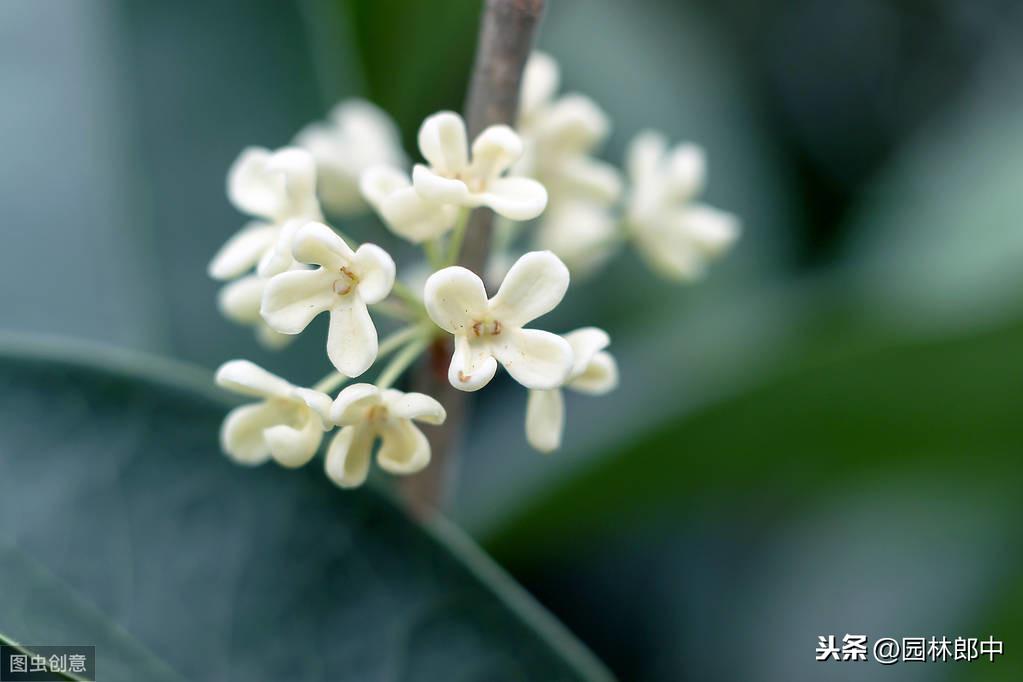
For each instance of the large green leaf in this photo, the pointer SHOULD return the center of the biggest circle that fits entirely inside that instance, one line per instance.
(113, 481)
(868, 414)
(37, 609)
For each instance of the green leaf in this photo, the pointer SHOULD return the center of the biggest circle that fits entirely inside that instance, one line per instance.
(416, 56)
(114, 482)
(950, 404)
(37, 609)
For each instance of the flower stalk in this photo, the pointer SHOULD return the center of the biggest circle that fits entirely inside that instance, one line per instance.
(507, 33)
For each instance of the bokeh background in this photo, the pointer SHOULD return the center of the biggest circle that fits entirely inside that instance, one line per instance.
(822, 438)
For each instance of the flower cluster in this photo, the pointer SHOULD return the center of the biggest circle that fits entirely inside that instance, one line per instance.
(288, 265)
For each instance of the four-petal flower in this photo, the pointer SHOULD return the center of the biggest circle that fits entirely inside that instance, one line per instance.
(490, 331)
(344, 283)
(274, 187)
(676, 236)
(357, 135)
(451, 178)
(407, 214)
(286, 424)
(594, 372)
(366, 413)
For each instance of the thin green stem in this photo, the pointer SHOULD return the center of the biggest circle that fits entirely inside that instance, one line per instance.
(336, 379)
(401, 362)
(434, 253)
(457, 236)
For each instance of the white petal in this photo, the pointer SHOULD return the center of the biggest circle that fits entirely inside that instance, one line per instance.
(643, 156)
(317, 401)
(545, 419)
(713, 231)
(298, 167)
(588, 178)
(406, 213)
(493, 152)
(472, 365)
(279, 257)
(586, 343)
(347, 461)
(239, 301)
(415, 218)
(600, 376)
(442, 142)
(685, 172)
(316, 244)
(455, 299)
(581, 233)
(574, 125)
(242, 251)
(515, 198)
(534, 358)
(380, 182)
(292, 299)
(241, 435)
(403, 448)
(352, 338)
(251, 188)
(248, 378)
(669, 256)
(432, 186)
(293, 447)
(539, 83)
(352, 402)
(375, 269)
(418, 406)
(533, 287)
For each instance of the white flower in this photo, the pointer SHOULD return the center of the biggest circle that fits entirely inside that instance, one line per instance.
(274, 187)
(560, 135)
(356, 136)
(366, 413)
(582, 233)
(344, 284)
(407, 214)
(488, 332)
(678, 237)
(286, 424)
(239, 301)
(594, 372)
(451, 178)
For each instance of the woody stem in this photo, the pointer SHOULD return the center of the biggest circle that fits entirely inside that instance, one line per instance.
(507, 31)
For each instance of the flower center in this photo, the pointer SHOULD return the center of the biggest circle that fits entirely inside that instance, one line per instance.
(344, 284)
(377, 413)
(486, 328)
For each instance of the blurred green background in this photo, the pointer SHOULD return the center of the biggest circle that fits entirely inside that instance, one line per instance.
(824, 437)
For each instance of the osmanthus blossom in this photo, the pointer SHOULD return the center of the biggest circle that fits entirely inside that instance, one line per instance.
(560, 136)
(345, 282)
(594, 372)
(453, 178)
(367, 413)
(407, 214)
(676, 235)
(488, 332)
(274, 187)
(355, 137)
(286, 424)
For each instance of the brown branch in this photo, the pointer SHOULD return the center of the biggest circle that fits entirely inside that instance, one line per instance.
(507, 31)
